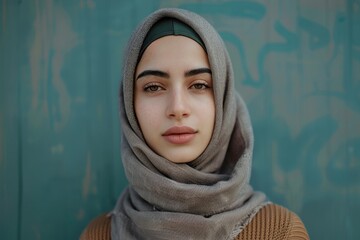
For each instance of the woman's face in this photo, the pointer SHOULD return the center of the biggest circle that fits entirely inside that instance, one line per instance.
(174, 101)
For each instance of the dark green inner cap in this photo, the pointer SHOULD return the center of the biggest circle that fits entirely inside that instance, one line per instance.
(169, 26)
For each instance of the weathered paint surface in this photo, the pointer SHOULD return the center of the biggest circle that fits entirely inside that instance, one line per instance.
(297, 65)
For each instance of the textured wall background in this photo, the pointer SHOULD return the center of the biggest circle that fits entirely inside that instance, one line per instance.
(297, 65)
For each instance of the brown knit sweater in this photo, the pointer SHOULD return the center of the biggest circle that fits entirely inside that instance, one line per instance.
(271, 222)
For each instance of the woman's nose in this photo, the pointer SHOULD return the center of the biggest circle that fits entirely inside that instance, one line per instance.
(178, 105)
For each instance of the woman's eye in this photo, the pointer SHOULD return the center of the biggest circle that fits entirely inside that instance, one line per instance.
(199, 86)
(152, 88)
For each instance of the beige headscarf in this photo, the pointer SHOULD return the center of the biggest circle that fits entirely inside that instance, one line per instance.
(209, 198)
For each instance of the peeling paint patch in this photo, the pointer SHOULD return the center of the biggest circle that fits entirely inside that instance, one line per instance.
(87, 178)
(79, 100)
(36, 229)
(91, 4)
(57, 149)
(64, 40)
(87, 3)
(39, 54)
(54, 38)
(80, 214)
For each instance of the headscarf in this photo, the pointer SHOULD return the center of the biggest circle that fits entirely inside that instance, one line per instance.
(208, 198)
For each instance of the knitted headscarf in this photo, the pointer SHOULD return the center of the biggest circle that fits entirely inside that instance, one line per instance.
(208, 198)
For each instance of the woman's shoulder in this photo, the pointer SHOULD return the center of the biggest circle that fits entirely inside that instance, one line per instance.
(274, 222)
(271, 222)
(98, 229)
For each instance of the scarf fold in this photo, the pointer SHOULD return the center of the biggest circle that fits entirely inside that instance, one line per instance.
(209, 198)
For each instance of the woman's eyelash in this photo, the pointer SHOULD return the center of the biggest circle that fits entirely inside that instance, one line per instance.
(152, 87)
(200, 86)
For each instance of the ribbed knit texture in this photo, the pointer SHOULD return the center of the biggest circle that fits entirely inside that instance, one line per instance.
(271, 222)
(98, 229)
(276, 223)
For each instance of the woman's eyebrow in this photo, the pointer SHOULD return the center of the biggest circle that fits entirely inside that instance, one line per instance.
(197, 71)
(156, 73)
(162, 74)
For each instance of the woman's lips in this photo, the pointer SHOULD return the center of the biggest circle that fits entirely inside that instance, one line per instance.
(179, 134)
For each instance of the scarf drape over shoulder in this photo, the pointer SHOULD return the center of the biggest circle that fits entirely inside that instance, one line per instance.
(206, 199)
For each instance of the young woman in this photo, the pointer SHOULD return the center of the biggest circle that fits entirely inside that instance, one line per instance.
(187, 142)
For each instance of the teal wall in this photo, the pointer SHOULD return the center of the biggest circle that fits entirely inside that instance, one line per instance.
(297, 65)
